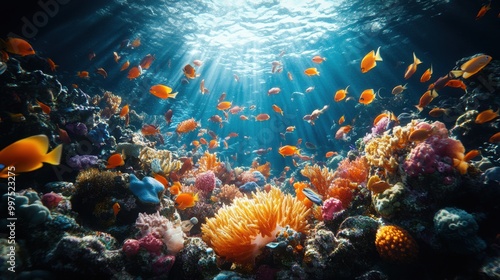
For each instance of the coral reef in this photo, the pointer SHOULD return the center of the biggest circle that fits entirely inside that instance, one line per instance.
(395, 244)
(164, 160)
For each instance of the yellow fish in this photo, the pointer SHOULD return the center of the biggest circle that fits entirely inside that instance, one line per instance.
(28, 154)
(369, 61)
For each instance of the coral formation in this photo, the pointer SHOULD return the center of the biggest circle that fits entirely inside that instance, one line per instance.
(146, 190)
(395, 244)
(163, 158)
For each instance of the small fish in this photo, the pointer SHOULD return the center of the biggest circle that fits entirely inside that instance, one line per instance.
(426, 98)
(311, 71)
(236, 78)
(147, 61)
(162, 91)
(412, 68)
(482, 11)
(114, 161)
(189, 71)
(318, 59)
(149, 129)
(222, 97)
(124, 111)
(419, 135)
(486, 116)
(367, 96)
(52, 65)
(330, 154)
(116, 57)
(277, 109)
(290, 77)
(28, 154)
(224, 105)
(471, 154)
(340, 94)
(197, 63)
(125, 65)
(289, 150)
(426, 75)
(342, 131)
(472, 66)
(134, 72)
(136, 43)
(341, 120)
(17, 46)
(495, 138)
(312, 196)
(116, 208)
(309, 89)
(290, 129)
(185, 200)
(274, 90)
(262, 117)
(456, 83)
(63, 135)
(168, 116)
(45, 108)
(91, 55)
(399, 89)
(102, 72)
(83, 74)
(203, 89)
(438, 112)
(369, 61)
(162, 180)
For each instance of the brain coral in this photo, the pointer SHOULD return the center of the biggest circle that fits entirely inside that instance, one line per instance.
(239, 231)
(395, 244)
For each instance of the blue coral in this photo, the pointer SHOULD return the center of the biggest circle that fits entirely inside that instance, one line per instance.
(146, 190)
(99, 134)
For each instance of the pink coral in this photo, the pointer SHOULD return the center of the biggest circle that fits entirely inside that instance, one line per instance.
(152, 244)
(131, 247)
(331, 207)
(205, 181)
(51, 200)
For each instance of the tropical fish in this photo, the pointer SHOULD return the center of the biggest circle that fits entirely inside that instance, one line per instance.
(456, 83)
(28, 154)
(318, 59)
(482, 11)
(115, 160)
(438, 112)
(399, 89)
(369, 61)
(274, 90)
(189, 71)
(17, 46)
(149, 129)
(367, 96)
(471, 154)
(290, 77)
(340, 94)
(168, 116)
(330, 154)
(290, 129)
(116, 57)
(116, 208)
(124, 111)
(136, 43)
(473, 65)
(162, 180)
(277, 109)
(419, 135)
(341, 120)
(309, 89)
(385, 114)
(197, 62)
(83, 74)
(203, 89)
(52, 65)
(147, 61)
(289, 150)
(91, 55)
(125, 65)
(342, 131)
(187, 126)
(243, 118)
(63, 135)
(224, 105)
(312, 196)
(236, 78)
(162, 91)
(102, 72)
(134, 72)
(495, 138)
(426, 98)
(186, 200)
(412, 68)
(176, 188)
(262, 117)
(426, 75)
(486, 116)
(45, 108)
(315, 115)
(311, 71)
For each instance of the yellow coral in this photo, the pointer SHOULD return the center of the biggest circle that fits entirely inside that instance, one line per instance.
(395, 244)
(238, 232)
(164, 157)
(320, 178)
(209, 162)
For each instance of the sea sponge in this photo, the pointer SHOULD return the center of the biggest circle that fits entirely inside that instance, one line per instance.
(388, 202)
(395, 244)
(239, 231)
(205, 181)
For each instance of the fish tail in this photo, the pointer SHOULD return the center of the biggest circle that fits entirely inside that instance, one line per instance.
(173, 95)
(416, 60)
(419, 108)
(54, 157)
(377, 55)
(455, 74)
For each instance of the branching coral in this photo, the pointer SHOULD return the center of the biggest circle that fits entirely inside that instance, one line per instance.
(164, 158)
(209, 162)
(109, 102)
(320, 178)
(228, 193)
(239, 231)
(354, 170)
(342, 189)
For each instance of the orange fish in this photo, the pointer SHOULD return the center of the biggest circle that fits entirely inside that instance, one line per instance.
(102, 72)
(369, 61)
(83, 74)
(187, 126)
(124, 111)
(486, 116)
(147, 61)
(399, 89)
(28, 154)
(412, 68)
(340, 94)
(116, 57)
(277, 109)
(426, 75)
(385, 114)
(134, 72)
(17, 46)
(330, 154)
(52, 65)
(189, 71)
(318, 59)
(176, 188)
(46, 109)
(203, 141)
(186, 200)
(341, 120)
(115, 160)
(472, 66)
(456, 83)
(162, 91)
(243, 118)
(224, 105)
(483, 10)
(342, 131)
(213, 144)
(438, 112)
(311, 71)
(162, 180)
(367, 96)
(149, 129)
(289, 150)
(116, 208)
(63, 135)
(495, 138)
(125, 65)
(136, 43)
(262, 117)
(471, 154)
(426, 98)
(419, 135)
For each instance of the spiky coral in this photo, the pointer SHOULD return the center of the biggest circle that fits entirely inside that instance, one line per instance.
(354, 170)
(209, 162)
(239, 231)
(320, 178)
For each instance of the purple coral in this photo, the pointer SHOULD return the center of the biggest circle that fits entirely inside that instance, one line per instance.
(82, 162)
(131, 247)
(330, 208)
(152, 244)
(205, 181)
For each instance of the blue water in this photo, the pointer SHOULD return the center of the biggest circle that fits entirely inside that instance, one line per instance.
(244, 38)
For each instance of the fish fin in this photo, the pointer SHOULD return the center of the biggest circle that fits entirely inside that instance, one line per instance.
(377, 55)
(54, 157)
(416, 60)
(466, 75)
(434, 93)
(173, 95)
(419, 108)
(456, 73)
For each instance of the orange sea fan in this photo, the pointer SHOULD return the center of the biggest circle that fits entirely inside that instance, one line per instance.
(320, 178)
(238, 232)
(209, 162)
(265, 168)
(355, 170)
(187, 126)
